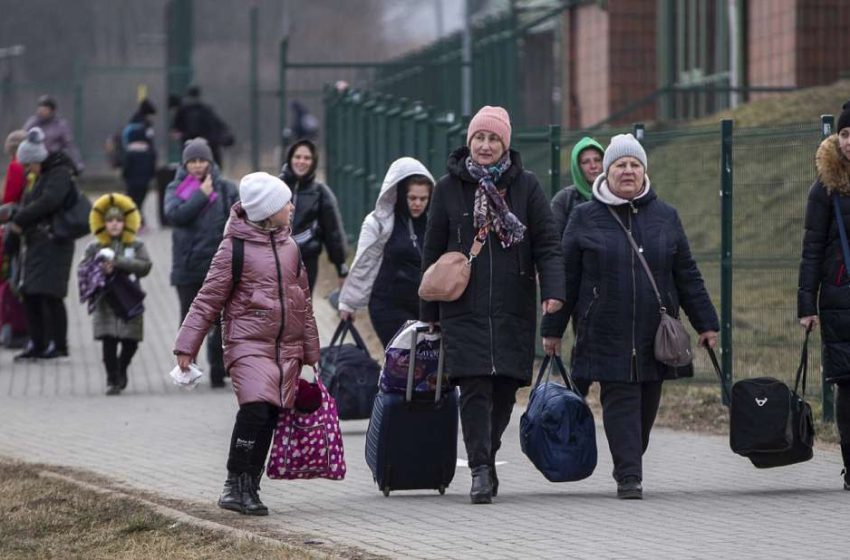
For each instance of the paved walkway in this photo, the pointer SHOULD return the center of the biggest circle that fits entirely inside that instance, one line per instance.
(701, 501)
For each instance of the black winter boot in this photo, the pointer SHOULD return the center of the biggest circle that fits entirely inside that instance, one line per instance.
(230, 497)
(251, 504)
(482, 486)
(111, 384)
(121, 377)
(630, 488)
(845, 454)
(494, 479)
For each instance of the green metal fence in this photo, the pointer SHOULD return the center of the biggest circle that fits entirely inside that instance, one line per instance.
(747, 246)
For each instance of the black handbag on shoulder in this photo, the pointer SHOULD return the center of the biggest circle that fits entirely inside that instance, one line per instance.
(72, 220)
(769, 423)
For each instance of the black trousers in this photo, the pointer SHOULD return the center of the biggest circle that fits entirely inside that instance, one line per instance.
(486, 404)
(115, 361)
(628, 413)
(252, 437)
(388, 316)
(215, 355)
(311, 264)
(138, 191)
(842, 419)
(47, 321)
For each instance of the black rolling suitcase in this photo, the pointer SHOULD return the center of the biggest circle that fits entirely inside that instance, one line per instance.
(770, 423)
(411, 443)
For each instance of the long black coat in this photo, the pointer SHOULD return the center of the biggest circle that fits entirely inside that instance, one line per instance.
(46, 260)
(824, 287)
(610, 297)
(198, 227)
(316, 220)
(491, 329)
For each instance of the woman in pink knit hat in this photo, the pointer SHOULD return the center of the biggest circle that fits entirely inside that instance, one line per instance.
(489, 332)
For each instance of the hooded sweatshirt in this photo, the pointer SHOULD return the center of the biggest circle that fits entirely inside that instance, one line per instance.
(376, 230)
(579, 181)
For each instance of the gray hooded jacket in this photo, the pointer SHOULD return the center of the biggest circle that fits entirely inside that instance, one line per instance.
(374, 233)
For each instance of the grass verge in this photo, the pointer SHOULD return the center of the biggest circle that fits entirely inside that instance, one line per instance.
(46, 516)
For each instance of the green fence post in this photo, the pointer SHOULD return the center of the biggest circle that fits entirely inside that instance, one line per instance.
(554, 159)
(79, 78)
(255, 90)
(179, 42)
(639, 132)
(827, 389)
(281, 125)
(726, 233)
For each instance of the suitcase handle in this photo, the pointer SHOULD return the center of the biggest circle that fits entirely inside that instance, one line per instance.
(411, 368)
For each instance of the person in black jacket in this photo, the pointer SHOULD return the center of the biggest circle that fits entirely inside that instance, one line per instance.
(611, 299)
(46, 258)
(824, 286)
(489, 332)
(138, 164)
(197, 205)
(585, 167)
(196, 119)
(317, 220)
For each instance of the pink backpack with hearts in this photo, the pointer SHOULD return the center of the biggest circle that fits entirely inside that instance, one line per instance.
(308, 445)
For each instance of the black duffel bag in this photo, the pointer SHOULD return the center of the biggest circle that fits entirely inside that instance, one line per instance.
(769, 423)
(349, 373)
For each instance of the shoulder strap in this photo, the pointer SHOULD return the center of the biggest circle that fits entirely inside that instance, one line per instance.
(237, 261)
(842, 233)
(642, 260)
(477, 244)
(803, 368)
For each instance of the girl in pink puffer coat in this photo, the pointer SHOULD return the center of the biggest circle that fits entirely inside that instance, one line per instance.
(268, 328)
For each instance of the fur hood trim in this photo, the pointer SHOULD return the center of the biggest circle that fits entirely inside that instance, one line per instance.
(833, 168)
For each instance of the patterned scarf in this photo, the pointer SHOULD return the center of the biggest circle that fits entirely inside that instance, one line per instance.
(491, 210)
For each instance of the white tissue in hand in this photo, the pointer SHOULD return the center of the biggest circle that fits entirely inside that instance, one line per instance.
(107, 253)
(188, 379)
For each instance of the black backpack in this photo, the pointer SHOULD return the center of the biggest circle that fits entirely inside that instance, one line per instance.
(349, 373)
(769, 423)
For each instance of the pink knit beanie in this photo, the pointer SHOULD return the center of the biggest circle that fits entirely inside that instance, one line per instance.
(491, 119)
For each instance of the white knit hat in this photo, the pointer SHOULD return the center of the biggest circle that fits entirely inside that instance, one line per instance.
(262, 195)
(623, 145)
(32, 149)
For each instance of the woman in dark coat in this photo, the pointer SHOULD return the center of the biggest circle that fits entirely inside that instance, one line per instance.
(317, 221)
(489, 332)
(611, 300)
(46, 259)
(197, 206)
(824, 290)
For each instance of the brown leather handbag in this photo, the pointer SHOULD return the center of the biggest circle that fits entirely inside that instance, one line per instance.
(447, 278)
(672, 342)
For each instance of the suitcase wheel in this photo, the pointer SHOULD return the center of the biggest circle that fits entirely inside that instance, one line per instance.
(386, 491)
(442, 490)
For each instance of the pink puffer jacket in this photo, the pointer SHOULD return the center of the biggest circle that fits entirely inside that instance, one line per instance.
(268, 326)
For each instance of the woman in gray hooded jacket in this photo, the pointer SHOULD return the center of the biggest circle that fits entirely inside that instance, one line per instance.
(386, 270)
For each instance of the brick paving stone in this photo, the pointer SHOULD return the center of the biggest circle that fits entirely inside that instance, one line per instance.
(701, 501)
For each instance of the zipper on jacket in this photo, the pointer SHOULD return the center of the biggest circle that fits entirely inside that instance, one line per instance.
(490, 312)
(633, 362)
(282, 316)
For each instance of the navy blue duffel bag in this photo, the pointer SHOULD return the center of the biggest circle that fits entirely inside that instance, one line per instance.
(557, 431)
